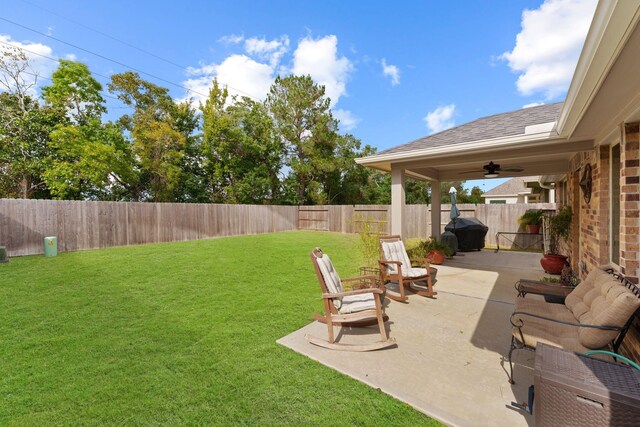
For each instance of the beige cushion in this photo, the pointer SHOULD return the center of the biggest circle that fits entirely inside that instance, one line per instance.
(536, 330)
(356, 303)
(599, 300)
(575, 300)
(331, 278)
(395, 251)
(414, 272)
(613, 307)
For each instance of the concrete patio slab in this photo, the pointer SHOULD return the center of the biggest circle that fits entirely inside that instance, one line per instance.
(448, 361)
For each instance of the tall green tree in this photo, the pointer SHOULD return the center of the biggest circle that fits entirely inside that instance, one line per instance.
(352, 183)
(88, 159)
(75, 90)
(243, 154)
(192, 186)
(25, 126)
(306, 127)
(159, 142)
(91, 161)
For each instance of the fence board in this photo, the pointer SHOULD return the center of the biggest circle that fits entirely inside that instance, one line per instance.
(88, 225)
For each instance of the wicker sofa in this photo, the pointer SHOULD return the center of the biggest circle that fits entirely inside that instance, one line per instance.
(596, 314)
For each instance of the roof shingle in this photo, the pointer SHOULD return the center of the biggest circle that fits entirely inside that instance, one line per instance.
(499, 125)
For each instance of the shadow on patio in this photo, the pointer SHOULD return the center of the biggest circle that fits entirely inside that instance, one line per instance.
(449, 359)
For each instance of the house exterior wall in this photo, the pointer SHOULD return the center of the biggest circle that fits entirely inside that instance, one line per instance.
(507, 199)
(589, 244)
(629, 201)
(589, 241)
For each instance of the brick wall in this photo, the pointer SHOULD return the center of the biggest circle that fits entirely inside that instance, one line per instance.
(589, 238)
(629, 200)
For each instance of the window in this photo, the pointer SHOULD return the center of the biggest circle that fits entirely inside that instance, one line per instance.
(497, 202)
(614, 231)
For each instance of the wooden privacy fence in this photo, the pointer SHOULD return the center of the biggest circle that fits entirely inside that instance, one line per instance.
(90, 225)
(351, 219)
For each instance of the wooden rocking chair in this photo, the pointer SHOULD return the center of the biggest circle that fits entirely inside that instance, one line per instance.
(361, 307)
(396, 266)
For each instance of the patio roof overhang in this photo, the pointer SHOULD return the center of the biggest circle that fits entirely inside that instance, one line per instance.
(537, 154)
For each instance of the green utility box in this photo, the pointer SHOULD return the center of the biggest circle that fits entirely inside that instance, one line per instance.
(50, 246)
(3, 255)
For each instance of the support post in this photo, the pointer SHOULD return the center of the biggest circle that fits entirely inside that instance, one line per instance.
(435, 209)
(397, 201)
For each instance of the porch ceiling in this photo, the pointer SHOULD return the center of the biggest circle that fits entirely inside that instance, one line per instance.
(550, 157)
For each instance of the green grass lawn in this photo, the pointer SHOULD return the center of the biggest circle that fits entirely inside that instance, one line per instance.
(179, 333)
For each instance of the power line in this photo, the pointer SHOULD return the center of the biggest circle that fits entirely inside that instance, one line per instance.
(106, 35)
(55, 60)
(100, 56)
(45, 56)
(118, 62)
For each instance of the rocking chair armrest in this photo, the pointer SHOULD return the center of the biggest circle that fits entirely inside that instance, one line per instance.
(519, 323)
(385, 261)
(356, 292)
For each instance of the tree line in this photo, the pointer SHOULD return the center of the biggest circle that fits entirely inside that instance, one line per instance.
(230, 149)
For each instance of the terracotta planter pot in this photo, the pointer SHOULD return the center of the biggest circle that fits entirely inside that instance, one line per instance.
(436, 256)
(553, 264)
(533, 229)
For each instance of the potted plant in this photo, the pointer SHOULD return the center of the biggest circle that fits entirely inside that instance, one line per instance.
(431, 248)
(532, 219)
(557, 230)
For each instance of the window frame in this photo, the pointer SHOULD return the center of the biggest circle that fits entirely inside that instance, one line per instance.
(613, 204)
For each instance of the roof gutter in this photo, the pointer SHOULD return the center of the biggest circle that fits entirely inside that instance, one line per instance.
(541, 183)
(543, 138)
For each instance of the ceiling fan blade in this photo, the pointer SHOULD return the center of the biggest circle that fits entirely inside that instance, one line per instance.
(512, 169)
(475, 171)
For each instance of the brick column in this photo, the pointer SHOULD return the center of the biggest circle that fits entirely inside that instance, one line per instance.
(630, 200)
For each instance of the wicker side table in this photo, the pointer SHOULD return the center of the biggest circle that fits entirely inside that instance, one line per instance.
(575, 390)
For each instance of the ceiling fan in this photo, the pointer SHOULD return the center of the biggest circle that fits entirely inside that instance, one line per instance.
(493, 170)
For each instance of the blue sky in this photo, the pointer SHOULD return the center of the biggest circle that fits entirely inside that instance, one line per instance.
(395, 71)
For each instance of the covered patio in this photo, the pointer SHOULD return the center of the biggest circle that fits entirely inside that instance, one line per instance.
(449, 362)
(522, 143)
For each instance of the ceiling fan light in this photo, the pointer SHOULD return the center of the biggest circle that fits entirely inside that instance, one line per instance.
(491, 175)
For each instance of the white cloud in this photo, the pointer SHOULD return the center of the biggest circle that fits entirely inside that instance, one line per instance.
(242, 75)
(39, 65)
(271, 50)
(231, 39)
(441, 118)
(532, 104)
(549, 44)
(391, 71)
(319, 58)
(253, 72)
(347, 120)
